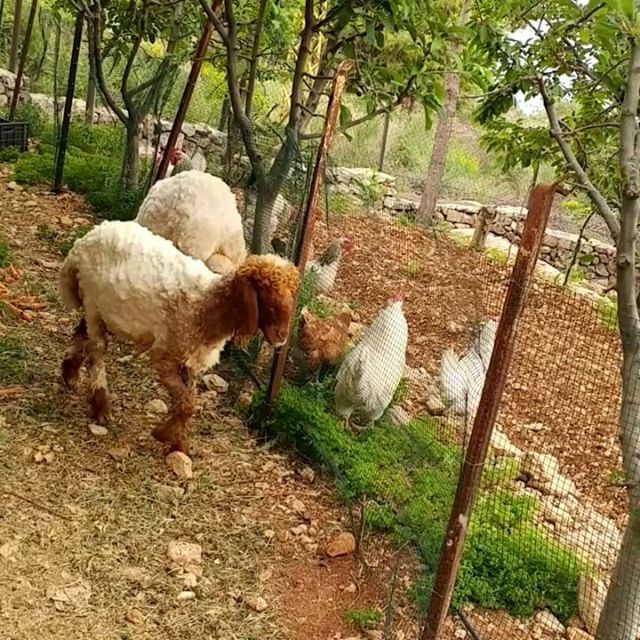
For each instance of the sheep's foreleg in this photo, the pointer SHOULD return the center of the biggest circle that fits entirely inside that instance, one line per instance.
(96, 348)
(75, 355)
(175, 430)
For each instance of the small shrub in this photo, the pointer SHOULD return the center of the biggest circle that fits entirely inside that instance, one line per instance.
(340, 203)
(363, 619)
(5, 253)
(30, 114)
(496, 256)
(404, 221)
(369, 192)
(9, 154)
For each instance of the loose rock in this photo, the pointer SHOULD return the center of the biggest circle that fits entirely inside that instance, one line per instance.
(156, 406)
(214, 382)
(180, 464)
(256, 603)
(342, 545)
(548, 622)
(591, 595)
(186, 595)
(98, 430)
(308, 474)
(578, 634)
(435, 406)
(184, 555)
(134, 616)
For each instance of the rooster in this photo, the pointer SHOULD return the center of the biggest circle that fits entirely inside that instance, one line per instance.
(462, 380)
(370, 374)
(325, 268)
(179, 161)
(322, 340)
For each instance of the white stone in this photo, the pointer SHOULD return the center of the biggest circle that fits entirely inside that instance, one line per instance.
(548, 622)
(502, 446)
(156, 406)
(591, 596)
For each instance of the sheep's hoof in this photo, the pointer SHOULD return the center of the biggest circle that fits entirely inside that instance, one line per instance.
(70, 371)
(171, 432)
(100, 406)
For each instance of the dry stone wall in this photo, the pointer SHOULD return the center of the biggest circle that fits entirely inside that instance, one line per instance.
(375, 189)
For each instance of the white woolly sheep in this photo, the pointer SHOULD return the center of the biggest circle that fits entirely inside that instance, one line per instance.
(198, 213)
(140, 288)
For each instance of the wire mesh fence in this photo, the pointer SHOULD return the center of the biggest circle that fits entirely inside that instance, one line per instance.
(388, 362)
(390, 348)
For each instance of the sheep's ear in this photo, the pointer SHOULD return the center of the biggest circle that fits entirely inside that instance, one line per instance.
(247, 310)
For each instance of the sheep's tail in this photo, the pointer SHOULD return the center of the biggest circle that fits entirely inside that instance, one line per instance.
(69, 286)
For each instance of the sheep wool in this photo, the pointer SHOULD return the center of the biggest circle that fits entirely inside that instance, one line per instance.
(198, 213)
(133, 281)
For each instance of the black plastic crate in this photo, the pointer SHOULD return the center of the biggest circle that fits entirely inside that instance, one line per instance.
(13, 134)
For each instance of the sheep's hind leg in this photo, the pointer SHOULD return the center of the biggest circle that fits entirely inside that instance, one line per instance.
(175, 430)
(75, 355)
(99, 400)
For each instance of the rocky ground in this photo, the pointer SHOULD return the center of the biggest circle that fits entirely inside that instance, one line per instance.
(99, 538)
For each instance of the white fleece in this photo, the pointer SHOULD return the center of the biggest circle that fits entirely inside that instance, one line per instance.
(198, 213)
(133, 280)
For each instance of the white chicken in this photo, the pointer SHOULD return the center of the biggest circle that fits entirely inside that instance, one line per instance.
(462, 379)
(371, 372)
(326, 266)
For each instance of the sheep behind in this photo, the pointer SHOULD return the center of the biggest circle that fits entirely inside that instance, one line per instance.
(198, 213)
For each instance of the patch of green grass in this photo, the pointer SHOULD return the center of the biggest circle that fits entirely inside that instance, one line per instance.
(404, 221)
(16, 364)
(92, 168)
(363, 619)
(409, 477)
(411, 269)
(576, 275)
(5, 253)
(340, 203)
(496, 256)
(46, 233)
(9, 154)
(607, 313)
(65, 244)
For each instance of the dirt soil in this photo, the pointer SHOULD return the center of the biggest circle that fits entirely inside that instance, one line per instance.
(563, 389)
(86, 519)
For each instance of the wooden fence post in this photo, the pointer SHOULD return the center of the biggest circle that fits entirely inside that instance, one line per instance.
(187, 94)
(309, 217)
(540, 202)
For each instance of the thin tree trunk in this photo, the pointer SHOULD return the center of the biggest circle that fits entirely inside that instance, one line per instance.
(261, 242)
(131, 160)
(90, 108)
(385, 137)
(15, 37)
(437, 163)
(620, 617)
(224, 113)
(23, 59)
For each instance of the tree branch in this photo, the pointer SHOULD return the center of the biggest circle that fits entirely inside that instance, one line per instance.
(253, 64)
(369, 116)
(94, 27)
(556, 131)
(217, 23)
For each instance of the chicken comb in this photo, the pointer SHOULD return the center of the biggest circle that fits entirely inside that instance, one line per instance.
(398, 296)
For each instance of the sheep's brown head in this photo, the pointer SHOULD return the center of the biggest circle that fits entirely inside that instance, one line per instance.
(265, 289)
